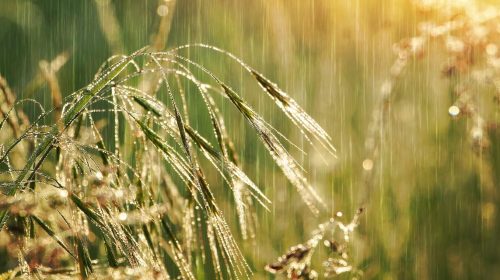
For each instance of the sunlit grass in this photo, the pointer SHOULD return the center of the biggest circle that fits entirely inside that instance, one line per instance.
(192, 163)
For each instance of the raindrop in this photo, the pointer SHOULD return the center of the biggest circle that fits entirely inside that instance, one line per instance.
(99, 175)
(162, 10)
(368, 164)
(454, 111)
(119, 193)
(63, 193)
(122, 216)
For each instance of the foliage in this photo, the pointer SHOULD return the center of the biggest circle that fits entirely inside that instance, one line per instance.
(175, 162)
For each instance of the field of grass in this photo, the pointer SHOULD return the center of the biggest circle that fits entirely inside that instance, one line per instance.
(169, 139)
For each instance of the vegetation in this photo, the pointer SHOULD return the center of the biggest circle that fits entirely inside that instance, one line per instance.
(170, 161)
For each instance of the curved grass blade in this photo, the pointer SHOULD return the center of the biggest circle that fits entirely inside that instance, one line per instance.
(68, 117)
(52, 234)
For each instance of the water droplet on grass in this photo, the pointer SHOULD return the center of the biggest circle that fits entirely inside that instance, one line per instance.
(63, 193)
(122, 216)
(99, 175)
(119, 193)
(454, 111)
(368, 164)
(162, 10)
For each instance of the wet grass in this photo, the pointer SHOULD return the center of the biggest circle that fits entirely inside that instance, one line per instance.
(127, 201)
(181, 160)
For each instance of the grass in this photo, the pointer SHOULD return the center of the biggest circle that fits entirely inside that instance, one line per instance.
(129, 210)
(176, 161)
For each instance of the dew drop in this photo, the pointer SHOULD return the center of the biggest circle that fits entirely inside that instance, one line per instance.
(162, 10)
(119, 193)
(454, 111)
(367, 165)
(99, 175)
(122, 216)
(63, 193)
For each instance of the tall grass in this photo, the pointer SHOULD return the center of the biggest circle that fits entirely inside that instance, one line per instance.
(151, 211)
(174, 162)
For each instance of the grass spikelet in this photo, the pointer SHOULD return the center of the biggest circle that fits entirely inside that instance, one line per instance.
(287, 104)
(336, 237)
(146, 205)
(287, 164)
(52, 234)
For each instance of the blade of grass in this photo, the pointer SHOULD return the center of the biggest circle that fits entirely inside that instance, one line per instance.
(52, 234)
(68, 117)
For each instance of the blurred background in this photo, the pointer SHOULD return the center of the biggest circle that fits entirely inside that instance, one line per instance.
(429, 190)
